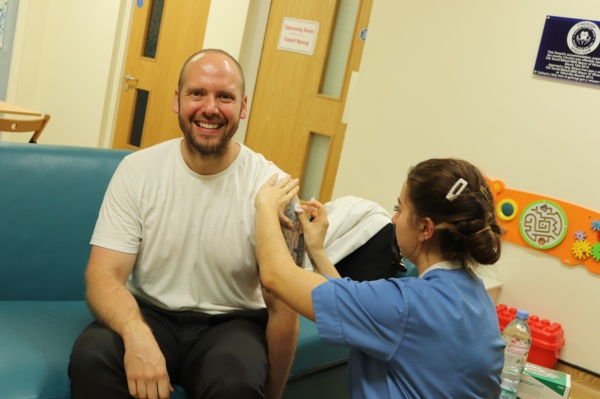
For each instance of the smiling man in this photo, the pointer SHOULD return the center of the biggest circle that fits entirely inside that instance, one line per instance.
(210, 101)
(172, 277)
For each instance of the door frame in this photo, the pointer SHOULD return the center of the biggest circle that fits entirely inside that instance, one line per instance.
(113, 93)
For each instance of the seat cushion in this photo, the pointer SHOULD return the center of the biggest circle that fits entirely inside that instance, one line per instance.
(311, 354)
(36, 338)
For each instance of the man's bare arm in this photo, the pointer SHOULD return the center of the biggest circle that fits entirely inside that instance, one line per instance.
(113, 305)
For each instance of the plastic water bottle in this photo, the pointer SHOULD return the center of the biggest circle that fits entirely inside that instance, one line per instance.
(517, 338)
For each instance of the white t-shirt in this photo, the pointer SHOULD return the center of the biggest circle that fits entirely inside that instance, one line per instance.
(193, 234)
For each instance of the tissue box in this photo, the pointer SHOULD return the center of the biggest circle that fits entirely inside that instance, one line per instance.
(539, 382)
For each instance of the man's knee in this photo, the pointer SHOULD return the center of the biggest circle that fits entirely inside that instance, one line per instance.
(234, 367)
(235, 381)
(97, 348)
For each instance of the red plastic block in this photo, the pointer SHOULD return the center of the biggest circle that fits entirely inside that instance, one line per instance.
(546, 337)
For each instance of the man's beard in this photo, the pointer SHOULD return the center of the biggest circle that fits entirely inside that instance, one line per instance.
(215, 150)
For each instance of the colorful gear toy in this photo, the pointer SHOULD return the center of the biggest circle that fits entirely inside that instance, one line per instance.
(580, 235)
(596, 251)
(581, 249)
(596, 225)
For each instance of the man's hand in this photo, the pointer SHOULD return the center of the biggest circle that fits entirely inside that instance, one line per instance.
(145, 365)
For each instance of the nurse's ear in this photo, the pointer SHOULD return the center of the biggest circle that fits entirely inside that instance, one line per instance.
(426, 228)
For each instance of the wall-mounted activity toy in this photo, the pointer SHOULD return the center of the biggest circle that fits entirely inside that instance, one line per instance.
(566, 231)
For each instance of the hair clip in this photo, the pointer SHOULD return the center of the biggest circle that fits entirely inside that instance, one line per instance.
(456, 189)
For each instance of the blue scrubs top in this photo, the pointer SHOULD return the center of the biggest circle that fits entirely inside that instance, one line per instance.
(436, 336)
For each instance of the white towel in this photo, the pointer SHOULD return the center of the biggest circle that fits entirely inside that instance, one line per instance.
(352, 222)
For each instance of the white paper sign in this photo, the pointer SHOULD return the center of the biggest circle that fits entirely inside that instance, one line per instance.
(298, 36)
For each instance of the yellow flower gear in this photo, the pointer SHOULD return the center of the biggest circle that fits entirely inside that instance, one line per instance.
(581, 249)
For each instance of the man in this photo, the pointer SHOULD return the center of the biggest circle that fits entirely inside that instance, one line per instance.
(172, 277)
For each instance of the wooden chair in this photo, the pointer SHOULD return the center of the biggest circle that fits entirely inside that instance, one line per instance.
(35, 125)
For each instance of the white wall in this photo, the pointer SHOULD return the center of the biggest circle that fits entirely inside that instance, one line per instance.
(62, 61)
(442, 79)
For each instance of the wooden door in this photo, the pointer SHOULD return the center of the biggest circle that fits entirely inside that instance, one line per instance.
(163, 35)
(290, 111)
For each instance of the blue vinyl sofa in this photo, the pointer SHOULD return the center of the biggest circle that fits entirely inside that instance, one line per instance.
(49, 201)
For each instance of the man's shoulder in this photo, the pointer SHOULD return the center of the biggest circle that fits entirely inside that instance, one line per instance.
(153, 153)
(255, 158)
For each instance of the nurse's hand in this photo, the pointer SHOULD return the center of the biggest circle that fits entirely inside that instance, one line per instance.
(315, 231)
(315, 228)
(276, 195)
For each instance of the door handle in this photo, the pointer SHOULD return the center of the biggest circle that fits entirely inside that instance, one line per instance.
(128, 78)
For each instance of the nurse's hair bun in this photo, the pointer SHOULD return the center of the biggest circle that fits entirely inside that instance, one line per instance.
(454, 194)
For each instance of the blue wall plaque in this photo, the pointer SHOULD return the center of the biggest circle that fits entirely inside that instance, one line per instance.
(569, 50)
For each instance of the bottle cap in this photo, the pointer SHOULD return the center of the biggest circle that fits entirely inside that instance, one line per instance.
(522, 314)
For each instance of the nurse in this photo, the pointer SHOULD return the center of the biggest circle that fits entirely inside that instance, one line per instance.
(435, 336)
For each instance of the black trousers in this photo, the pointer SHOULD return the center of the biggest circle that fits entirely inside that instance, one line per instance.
(211, 356)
